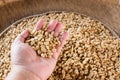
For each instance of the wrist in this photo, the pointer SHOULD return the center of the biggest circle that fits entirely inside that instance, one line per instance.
(21, 74)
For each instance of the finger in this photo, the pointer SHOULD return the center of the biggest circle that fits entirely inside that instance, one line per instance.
(21, 37)
(119, 2)
(52, 25)
(63, 40)
(39, 24)
(58, 29)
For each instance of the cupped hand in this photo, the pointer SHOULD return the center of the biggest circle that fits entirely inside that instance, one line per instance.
(24, 56)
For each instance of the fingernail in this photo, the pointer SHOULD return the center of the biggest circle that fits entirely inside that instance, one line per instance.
(52, 25)
(58, 29)
(39, 24)
(65, 34)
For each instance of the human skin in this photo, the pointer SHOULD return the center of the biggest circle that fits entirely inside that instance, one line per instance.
(26, 64)
(119, 2)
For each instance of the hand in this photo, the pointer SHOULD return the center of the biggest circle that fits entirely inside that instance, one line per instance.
(23, 57)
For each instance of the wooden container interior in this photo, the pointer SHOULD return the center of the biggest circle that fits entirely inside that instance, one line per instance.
(106, 11)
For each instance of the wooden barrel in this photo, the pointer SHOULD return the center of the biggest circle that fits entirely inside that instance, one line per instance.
(106, 11)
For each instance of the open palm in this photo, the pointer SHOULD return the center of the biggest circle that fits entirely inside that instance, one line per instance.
(23, 55)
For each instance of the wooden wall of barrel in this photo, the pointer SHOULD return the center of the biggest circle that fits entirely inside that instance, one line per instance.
(106, 11)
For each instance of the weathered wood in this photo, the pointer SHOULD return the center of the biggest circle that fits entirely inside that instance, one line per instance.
(107, 11)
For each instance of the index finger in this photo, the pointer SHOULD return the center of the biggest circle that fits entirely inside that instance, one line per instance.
(39, 24)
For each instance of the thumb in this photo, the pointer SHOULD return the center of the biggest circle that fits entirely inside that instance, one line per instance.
(22, 36)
